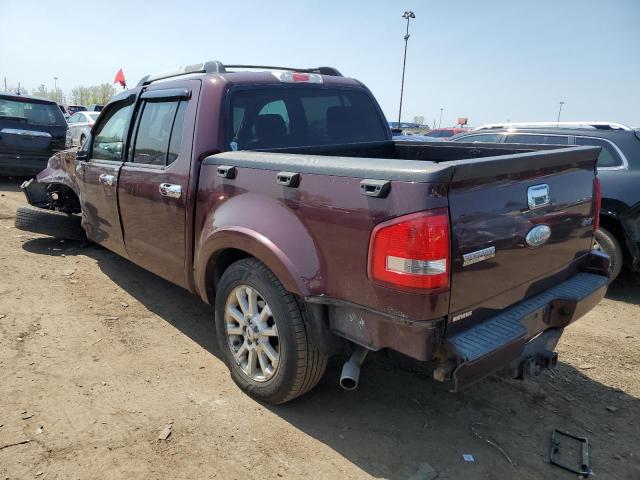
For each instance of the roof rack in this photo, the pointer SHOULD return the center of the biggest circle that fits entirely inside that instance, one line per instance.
(568, 125)
(321, 70)
(215, 66)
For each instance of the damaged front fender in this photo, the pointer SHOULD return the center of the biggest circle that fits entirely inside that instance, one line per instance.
(55, 187)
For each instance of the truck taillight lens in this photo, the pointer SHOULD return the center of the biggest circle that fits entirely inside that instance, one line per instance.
(597, 203)
(412, 251)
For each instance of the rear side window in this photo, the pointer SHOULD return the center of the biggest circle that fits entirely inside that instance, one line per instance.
(608, 156)
(268, 118)
(485, 137)
(159, 133)
(537, 139)
(33, 113)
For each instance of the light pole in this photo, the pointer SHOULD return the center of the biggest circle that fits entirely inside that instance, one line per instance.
(440, 121)
(408, 15)
(560, 110)
(55, 88)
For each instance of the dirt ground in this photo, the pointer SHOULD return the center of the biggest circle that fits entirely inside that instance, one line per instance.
(97, 356)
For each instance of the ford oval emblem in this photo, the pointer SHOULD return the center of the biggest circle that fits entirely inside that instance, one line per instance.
(538, 236)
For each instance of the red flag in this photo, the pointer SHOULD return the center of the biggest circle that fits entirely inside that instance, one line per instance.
(120, 79)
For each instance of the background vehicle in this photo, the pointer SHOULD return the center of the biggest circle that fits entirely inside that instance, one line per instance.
(94, 108)
(80, 126)
(445, 132)
(413, 138)
(31, 130)
(64, 111)
(618, 170)
(280, 197)
(71, 109)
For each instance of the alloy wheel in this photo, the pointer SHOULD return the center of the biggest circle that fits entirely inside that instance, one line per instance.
(252, 333)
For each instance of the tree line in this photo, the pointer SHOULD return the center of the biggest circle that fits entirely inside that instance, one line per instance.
(98, 94)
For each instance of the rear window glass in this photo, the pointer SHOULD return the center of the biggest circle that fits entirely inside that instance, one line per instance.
(31, 113)
(608, 156)
(297, 117)
(94, 115)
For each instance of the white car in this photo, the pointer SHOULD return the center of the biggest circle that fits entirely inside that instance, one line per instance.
(80, 124)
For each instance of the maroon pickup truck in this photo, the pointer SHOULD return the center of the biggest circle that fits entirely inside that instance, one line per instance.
(279, 196)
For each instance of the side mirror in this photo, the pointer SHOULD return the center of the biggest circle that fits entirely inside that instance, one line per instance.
(82, 155)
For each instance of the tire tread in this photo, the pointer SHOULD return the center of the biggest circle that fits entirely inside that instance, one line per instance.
(49, 222)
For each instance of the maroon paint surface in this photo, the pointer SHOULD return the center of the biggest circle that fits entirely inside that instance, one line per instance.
(315, 237)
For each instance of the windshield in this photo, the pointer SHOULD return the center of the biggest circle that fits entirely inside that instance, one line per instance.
(296, 117)
(33, 113)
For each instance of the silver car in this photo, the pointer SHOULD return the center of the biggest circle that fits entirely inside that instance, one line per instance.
(80, 124)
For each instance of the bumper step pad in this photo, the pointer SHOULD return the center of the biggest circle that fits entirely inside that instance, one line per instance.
(497, 341)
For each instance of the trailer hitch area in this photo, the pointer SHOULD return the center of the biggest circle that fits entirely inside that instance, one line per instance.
(532, 366)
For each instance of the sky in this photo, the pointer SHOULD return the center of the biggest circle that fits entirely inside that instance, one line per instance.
(489, 60)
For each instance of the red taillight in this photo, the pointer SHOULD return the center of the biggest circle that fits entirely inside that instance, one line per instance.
(300, 77)
(297, 77)
(597, 203)
(412, 251)
(90, 125)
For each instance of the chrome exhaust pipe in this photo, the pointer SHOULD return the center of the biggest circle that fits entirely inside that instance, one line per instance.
(351, 369)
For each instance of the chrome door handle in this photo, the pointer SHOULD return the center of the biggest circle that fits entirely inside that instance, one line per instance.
(170, 190)
(107, 179)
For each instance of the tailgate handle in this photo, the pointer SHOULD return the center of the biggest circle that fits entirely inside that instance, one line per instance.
(375, 188)
(288, 179)
(226, 171)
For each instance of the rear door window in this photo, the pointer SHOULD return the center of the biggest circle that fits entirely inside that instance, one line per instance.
(608, 157)
(266, 118)
(159, 133)
(536, 139)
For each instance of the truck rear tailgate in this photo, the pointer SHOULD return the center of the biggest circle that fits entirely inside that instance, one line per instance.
(520, 224)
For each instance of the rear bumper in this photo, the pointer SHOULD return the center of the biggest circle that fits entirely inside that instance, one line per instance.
(521, 334)
(14, 164)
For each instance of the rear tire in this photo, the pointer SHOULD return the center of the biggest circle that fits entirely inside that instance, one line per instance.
(300, 364)
(49, 222)
(607, 243)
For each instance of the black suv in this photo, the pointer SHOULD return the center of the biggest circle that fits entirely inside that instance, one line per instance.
(31, 130)
(618, 169)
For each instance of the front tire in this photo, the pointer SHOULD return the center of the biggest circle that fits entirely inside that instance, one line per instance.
(607, 243)
(50, 222)
(263, 336)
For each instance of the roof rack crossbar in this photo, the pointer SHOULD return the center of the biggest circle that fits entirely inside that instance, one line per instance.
(598, 125)
(215, 66)
(321, 70)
